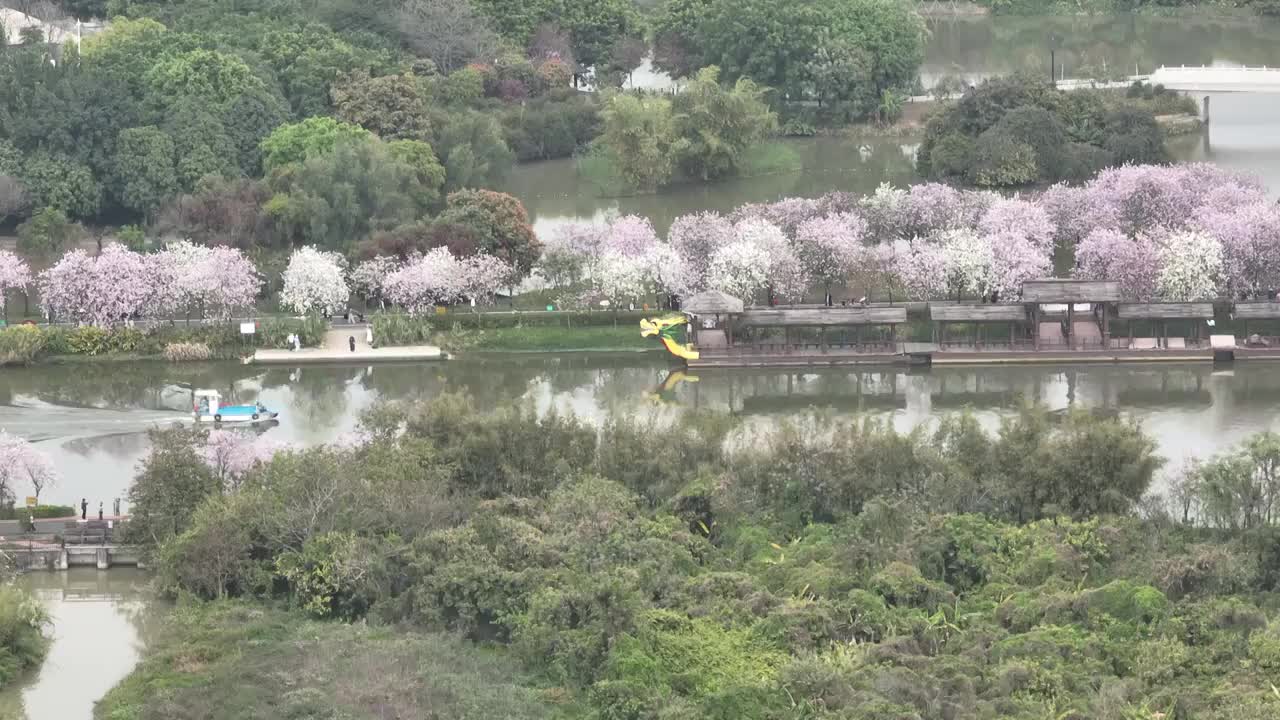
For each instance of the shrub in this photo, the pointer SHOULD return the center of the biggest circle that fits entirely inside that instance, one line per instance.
(39, 512)
(187, 352)
(22, 641)
(21, 344)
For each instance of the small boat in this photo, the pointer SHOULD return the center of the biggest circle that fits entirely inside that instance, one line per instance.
(208, 407)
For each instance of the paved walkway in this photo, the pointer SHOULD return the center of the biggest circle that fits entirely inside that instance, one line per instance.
(10, 529)
(337, 349)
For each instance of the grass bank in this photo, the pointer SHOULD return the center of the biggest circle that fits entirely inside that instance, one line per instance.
(515, 332)
(233, 660)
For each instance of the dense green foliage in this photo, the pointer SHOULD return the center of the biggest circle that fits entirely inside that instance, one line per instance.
(702, 133)
(843, 54)
(820, 568)
(1020, 131)
(39, 512)
(174, 113)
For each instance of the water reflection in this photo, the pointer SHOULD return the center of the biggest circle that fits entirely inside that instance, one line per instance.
(96, 446)
(101, 622)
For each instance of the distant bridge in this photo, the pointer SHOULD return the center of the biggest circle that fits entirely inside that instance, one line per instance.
(1216, 79)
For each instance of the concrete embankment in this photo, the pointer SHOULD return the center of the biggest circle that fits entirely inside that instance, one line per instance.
(337, 349)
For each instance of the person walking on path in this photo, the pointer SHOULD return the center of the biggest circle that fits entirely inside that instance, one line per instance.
(115, 507)
(99, 509)
(368, 336)
(84, 509)
(352, 339)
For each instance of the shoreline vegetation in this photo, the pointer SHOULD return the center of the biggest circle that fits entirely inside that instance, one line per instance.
(820, 568)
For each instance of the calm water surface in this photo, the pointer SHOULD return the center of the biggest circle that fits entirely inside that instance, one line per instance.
(101, 621)
(94, 425)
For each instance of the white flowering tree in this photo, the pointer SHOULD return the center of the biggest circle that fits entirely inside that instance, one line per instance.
(830, 247)
(1190, 266)
(368, 279)
(22, 466)
(15, 274)
(436, 278)
(740, 269)
(315, 282)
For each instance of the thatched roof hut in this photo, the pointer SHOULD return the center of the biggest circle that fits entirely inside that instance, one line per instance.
(711, 302)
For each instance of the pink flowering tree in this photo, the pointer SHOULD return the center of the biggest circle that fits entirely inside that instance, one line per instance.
(15, 274)
(830, 248)
(921, 267)
(787, 215)
(368, 279)
(1015, 259)
(1012, 216)
(569, 253)
(629, 235)
(787, 279)
(66, 288)
(231, 454)
(102, 290)
(315, 282)
(1250, 237)
(23, 466)
(436, 278)
(483, 275)
(224, 281)
(1190, 265)
(696, 238)
(1111, 255)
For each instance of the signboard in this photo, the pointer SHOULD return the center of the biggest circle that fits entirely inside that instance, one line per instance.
(440, 310)
(248, 328)
(32, 501)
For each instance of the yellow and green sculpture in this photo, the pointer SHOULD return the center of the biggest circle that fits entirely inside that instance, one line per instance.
(665, 329)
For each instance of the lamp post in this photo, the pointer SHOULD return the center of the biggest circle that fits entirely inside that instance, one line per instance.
(1054, 41)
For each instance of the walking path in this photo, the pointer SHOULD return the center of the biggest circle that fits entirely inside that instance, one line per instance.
(337, 348)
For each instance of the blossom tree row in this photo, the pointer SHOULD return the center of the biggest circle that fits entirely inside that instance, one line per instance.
(1171, 233)
(119, 284)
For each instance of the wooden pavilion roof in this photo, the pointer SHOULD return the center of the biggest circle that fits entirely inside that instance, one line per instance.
(711, 302)
(825, 317)
(978, 313)
(1058, 290)
(1165, 311)
(1257, 310)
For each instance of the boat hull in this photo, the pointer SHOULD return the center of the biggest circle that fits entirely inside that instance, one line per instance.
(238, 414)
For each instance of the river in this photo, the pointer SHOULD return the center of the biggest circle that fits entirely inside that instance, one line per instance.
(100, 621)
(94, 426)
(1242, 134)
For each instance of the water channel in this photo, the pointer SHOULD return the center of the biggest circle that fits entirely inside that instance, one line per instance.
(93, 422)
(100, 623)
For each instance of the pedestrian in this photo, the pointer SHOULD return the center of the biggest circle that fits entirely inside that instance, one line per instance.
(352, 340)
(289, 341)
(115, 507)
(84, 509)
(99, 509)
(368, 336)
(31, 521)
(297, 342)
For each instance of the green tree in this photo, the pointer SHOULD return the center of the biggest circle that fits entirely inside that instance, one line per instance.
(144, 175)
(308, 62)
(776, 44)
(425, 172)
(171, 483)
(207, 75)
(336, 199)
(47, 233)
(1134, 136)
(715, 125)
(202, 145)
(248, 120)
(60, 182)
(389, 106)
(310, 138)
(473, 149)
(638, 136)
(841, 77)
(500, 223)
